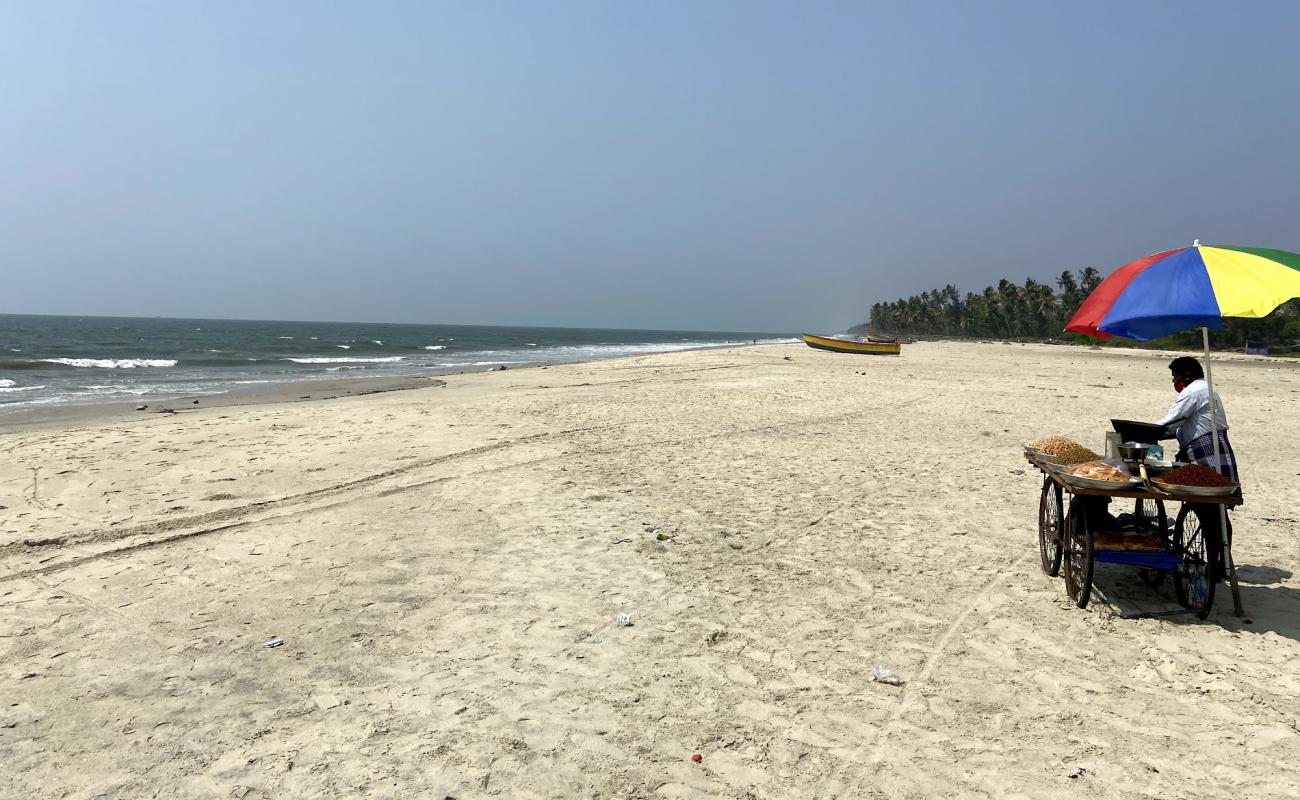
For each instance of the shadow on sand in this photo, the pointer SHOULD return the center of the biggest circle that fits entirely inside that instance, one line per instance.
(1270, 606)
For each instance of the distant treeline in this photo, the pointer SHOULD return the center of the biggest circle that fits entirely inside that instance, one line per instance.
(1036, 310)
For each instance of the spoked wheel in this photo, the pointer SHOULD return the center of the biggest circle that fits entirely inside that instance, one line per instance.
(1150, 512)
(1220, 556)
(1051, 521)
(1077, 554)
(1198, 544)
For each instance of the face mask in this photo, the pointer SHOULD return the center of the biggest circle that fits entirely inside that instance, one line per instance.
(1179, 386)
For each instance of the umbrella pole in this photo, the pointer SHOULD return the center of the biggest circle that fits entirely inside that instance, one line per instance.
(1237, 610)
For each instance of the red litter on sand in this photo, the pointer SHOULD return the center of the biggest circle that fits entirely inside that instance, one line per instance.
(697, 758)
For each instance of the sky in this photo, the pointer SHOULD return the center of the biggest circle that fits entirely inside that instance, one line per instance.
(681, 165)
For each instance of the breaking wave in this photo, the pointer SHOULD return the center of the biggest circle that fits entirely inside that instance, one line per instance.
(112, 363)
(347, 360)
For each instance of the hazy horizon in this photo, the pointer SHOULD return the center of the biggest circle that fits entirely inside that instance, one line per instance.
(379, 322)
(756, 167)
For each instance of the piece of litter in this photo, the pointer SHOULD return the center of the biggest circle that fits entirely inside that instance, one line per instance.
(697, 758)
(623, 620)
(1078, 773)
(275, 642)
(880, 674)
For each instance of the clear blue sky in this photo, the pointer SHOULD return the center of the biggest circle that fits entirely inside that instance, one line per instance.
(743, 165)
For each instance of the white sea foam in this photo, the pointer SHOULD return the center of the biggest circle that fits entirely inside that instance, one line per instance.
(347, 360)
(112, 363)
(12, 388)
(290, 337)
(6, 382)
(377, 341)
(435, 347)
(586, 352)
(344, 346)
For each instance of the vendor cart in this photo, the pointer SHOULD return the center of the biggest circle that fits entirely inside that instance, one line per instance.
(1070, 540)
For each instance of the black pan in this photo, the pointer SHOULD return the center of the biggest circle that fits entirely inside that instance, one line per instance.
(1141, 432)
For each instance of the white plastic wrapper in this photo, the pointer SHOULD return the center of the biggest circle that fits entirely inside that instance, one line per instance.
(881, 674)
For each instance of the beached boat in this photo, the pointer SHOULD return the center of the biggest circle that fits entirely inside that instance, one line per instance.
(870, 348)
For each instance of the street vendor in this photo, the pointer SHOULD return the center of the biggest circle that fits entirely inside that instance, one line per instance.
(1189, 419)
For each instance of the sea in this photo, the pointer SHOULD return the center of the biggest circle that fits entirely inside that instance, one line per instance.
(54, 360)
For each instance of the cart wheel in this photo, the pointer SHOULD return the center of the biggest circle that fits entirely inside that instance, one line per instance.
(1198, 545)
(1221, 557)
(1153, 511)
(1078, 554)
(1051, 521)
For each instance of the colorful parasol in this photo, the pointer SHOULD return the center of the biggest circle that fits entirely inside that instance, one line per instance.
(1193, 287)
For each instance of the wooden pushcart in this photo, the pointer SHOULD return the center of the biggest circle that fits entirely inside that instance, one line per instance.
(1191, 549)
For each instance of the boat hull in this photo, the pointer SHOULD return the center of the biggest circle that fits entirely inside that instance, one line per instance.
(848, 346)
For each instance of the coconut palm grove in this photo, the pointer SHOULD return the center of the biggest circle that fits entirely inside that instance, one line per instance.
(1038, 310)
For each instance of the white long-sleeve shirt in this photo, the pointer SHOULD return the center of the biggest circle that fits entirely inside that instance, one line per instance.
(1190, 413)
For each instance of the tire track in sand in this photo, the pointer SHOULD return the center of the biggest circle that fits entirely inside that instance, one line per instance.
(321, 499)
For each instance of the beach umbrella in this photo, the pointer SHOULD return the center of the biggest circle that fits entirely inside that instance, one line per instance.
(1191, 287)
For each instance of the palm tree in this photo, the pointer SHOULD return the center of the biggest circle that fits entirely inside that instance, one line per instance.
(976, 315)
(1089, 279)
(1042, 310)
(951, 310)
(1012, 307)
(1071, 297)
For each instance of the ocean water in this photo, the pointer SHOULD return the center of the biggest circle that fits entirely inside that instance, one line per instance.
(59, 360)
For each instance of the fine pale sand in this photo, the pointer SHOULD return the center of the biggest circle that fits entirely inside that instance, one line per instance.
(444, 566)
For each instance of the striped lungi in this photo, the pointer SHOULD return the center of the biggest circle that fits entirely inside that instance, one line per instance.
(1201, 451)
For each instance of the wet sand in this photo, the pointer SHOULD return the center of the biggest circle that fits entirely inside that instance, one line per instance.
(444, 566)
(68, 416)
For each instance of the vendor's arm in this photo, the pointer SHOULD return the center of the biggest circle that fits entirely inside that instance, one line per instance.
(1181, 410)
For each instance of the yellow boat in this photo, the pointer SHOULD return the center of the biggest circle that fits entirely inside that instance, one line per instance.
(852, 346)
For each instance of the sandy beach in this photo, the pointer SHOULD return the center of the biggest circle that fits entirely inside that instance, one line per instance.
(444, 566)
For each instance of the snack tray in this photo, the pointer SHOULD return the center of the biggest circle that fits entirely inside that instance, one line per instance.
(1046, 461)
(1201, 491)
(1093, 483)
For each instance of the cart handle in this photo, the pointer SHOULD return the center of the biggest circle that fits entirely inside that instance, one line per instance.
(1150, 484)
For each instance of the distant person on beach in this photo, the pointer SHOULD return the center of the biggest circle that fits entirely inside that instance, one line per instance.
(1189, 417)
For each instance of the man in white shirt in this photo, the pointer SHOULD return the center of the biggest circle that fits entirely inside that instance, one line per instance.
(1189, 417)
